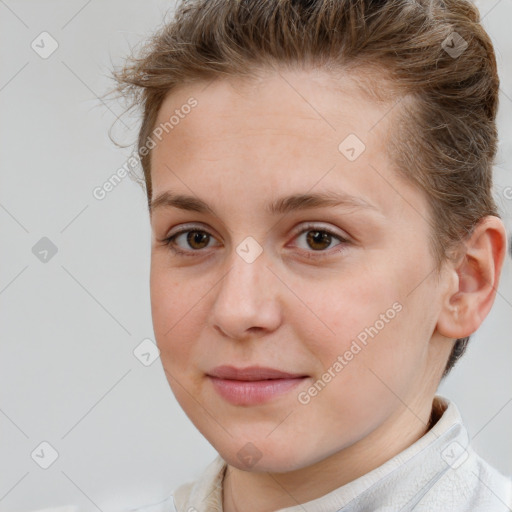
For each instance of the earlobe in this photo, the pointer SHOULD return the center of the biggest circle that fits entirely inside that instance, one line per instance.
(474, 280)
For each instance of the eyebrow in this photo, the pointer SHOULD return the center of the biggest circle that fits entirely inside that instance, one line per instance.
(280, 206)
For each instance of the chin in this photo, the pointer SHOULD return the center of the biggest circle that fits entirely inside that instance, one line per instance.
(256, 458)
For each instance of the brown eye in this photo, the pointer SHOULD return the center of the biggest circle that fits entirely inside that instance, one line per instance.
(195, 241)
(318, 240)
(197, 237)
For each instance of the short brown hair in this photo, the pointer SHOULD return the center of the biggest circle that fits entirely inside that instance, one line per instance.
(445, 138)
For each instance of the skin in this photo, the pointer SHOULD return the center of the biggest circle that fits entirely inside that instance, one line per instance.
(245, 144)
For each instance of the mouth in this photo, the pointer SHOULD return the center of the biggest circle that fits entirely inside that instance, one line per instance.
(253, 385)
(251, 373)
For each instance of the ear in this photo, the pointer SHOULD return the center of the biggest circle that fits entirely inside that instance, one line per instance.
(476, 275)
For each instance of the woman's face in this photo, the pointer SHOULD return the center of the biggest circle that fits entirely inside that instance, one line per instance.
(342, 296)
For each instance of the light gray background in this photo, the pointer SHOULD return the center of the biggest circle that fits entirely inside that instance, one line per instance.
(68, 327)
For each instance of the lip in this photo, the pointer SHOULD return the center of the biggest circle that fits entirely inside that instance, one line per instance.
(252, 385)
(251, 373)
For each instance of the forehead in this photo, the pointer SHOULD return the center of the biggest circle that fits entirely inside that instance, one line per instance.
(330, 102)
(283, 130)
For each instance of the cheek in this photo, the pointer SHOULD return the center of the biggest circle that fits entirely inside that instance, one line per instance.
(176, 324)
(174, 309)
(348, 309)
(361, 330)
(362, 361)
(381, 337)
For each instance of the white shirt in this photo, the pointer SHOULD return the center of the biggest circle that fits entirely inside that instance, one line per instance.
(439, 472)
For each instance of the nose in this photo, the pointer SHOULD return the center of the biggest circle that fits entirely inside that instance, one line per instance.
(248, 299)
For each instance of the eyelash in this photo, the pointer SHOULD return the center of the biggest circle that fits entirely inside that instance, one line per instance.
(169, 241)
